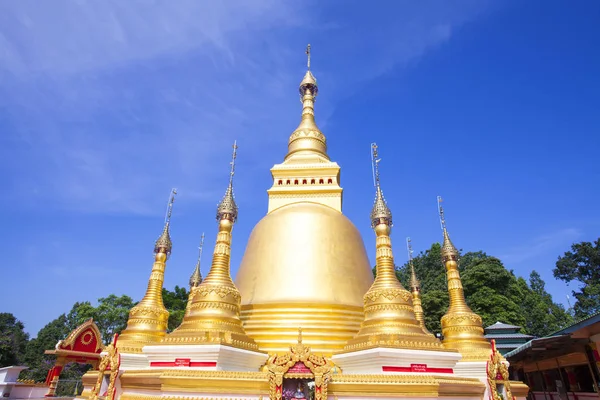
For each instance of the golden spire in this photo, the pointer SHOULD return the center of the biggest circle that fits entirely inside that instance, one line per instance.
(213, 317)
(415, 288)
(462, 329)
(148, 320)
(196, 278)
(308, 138)
(389, 314)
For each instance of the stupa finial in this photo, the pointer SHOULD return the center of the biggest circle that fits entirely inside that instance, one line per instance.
(196, 278)
(448, 249)
(227, 208)
(308, 138)
(163, 243)
(380, 214)
(414, 282)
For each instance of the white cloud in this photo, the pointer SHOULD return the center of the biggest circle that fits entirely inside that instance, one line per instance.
(541, 245)
(109, 103)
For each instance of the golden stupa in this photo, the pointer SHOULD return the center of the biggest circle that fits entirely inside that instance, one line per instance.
(342, 335)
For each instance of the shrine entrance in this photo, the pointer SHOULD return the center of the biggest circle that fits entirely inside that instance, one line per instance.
(298, 374)
(83, 345)
(298, 383)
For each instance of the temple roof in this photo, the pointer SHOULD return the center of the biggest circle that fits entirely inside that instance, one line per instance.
(508, 336)
(501, 325)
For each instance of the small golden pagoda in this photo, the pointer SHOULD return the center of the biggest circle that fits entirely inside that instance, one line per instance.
(461, 327)
(343, 335)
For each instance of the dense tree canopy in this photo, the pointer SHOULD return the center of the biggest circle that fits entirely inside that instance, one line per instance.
(582, 265)
(13, 340)
(175, 302)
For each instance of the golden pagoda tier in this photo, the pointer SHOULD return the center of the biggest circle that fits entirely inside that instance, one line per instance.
(304, 318)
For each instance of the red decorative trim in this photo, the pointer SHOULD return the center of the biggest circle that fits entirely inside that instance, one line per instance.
(417, 368)
(179, 363)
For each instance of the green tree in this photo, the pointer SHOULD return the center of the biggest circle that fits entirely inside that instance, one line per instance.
(491, 290)
(542, 315)
(111, 315)
(13, 340)
(38, 362)
(582, 265)
(175, 302)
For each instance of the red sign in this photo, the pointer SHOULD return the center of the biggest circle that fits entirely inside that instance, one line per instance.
(418, 367)
(182, 362)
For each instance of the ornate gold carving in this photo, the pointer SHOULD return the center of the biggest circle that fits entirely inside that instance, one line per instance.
(495, 368)
(219, 290)
(389, 294)
(110, 361)
(278, 366)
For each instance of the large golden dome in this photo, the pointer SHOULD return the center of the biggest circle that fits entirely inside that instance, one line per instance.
(305, 266)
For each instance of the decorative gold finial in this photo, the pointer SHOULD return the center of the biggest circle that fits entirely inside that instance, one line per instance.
(308, 86)
(300, 329)
(196, 278)
(414, 282)
(227, 209)
(163, 243)
(307, 138)
(448, 249)
(380, 214)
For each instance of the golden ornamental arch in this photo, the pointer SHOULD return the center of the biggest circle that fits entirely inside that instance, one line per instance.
(497, 371)
(278, 368)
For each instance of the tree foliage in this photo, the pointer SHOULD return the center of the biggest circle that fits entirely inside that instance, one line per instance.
(582, 264)
(13, 340)
(491, 291)
(175, 302)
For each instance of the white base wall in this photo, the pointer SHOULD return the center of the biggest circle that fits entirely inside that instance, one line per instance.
(226, 358)
(28, 392)
(371, 361)
(133, 361)
(202, 395)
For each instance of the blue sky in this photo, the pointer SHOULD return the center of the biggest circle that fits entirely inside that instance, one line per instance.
(104, 106)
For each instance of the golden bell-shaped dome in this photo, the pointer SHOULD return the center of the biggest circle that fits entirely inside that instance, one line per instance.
(305, 266)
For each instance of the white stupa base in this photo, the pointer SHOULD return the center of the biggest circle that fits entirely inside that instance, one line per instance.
(208, 357)
(387, 360)
(133, 361)
(198, 395)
